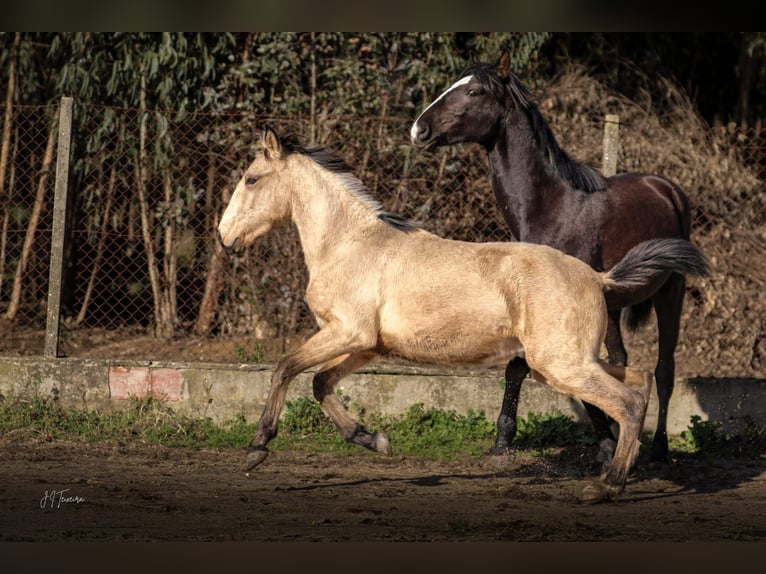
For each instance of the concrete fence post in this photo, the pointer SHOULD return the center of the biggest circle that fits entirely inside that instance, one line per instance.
(611, 144)
(58, 235)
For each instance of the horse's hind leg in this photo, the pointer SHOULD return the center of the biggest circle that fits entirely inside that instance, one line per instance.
(620, 400)
(323, 386)
(668, 302)
(630, 415)
(515, 373)
(603, 426)
(637, 379)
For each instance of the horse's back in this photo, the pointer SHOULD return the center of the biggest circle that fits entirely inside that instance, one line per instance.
(642, 206)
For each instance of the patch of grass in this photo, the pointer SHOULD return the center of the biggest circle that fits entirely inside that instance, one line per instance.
(149, 420)
(551, 430)
(420, 432)
(708, 438)
(428, 433)
(257, 353)
(436, 433)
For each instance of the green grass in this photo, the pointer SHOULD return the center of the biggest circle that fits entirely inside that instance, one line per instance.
(707, 438)
(420, 432)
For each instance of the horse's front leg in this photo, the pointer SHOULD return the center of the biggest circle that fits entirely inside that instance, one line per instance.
(515, 373)
(329, 343)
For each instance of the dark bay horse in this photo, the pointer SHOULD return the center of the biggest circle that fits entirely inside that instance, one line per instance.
(381, 286)
(547, 197)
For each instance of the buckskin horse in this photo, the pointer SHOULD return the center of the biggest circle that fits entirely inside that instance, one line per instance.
(547, 197)
(381, 286)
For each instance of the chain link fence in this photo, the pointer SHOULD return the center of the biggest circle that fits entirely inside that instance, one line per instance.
(147, 189)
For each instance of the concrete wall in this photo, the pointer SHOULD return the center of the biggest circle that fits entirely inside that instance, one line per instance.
(224, 391)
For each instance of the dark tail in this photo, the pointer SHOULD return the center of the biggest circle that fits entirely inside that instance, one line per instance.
(650, 261)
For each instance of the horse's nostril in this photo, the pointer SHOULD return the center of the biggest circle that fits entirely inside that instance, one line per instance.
(420, 132)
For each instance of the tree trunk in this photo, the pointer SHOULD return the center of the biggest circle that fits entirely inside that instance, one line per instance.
(746, 75)
(169, 309)
(161, 329)
(13, 306)
(10, 91)
(5, 149)
(6, 223)
(100, 247)
(214, 279)
(213, 288)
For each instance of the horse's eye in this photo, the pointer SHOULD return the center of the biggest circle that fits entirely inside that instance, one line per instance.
(473, 93)
(251, 180)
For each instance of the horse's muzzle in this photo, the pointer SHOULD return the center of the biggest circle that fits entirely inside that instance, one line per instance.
(420, 134)
(422, 137)
(232, 246)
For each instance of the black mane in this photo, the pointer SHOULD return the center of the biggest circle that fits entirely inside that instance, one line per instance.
(332, 161)
(580, 176)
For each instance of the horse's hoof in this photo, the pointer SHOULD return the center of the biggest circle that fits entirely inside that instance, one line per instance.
(661, 468)
(255, 457)
(381, 444)
(501, 450)
(593, 492)
(501, 458)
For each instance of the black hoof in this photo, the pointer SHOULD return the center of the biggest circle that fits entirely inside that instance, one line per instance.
(501, 450)
(255, 456)
(501, 457)
(661, 468)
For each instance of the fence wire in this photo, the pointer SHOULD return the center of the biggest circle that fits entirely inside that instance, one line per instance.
(147, 190)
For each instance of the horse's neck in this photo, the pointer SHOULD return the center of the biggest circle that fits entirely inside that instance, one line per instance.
(525, 186)
(324, 216)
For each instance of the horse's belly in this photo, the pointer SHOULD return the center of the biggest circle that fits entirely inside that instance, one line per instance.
(453, 348)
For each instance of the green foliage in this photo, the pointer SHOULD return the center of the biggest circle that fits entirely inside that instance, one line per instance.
(304, 417)
(435, 433)
(256, 355)
(148, 420)
(708, 438)
(420, 432)
(704, 435)
(538, 432)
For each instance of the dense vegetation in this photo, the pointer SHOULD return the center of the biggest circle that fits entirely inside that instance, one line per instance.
(376, 73)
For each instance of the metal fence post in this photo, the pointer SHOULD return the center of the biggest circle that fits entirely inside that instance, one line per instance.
(56, 273)
(611, 144)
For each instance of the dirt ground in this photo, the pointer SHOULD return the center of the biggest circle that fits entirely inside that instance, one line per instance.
(59, 491)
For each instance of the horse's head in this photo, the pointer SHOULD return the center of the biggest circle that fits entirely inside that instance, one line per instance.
(469, 110)
(260, 199)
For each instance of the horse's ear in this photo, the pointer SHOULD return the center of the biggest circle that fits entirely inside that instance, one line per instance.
(503, 65)
(473, 59)
(272, 146)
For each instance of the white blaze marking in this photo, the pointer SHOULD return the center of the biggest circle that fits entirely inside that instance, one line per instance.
(460, 82)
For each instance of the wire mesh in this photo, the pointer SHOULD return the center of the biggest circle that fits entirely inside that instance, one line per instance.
(147, 190)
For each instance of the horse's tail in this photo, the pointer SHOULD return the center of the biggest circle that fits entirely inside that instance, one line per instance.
(641, 267)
